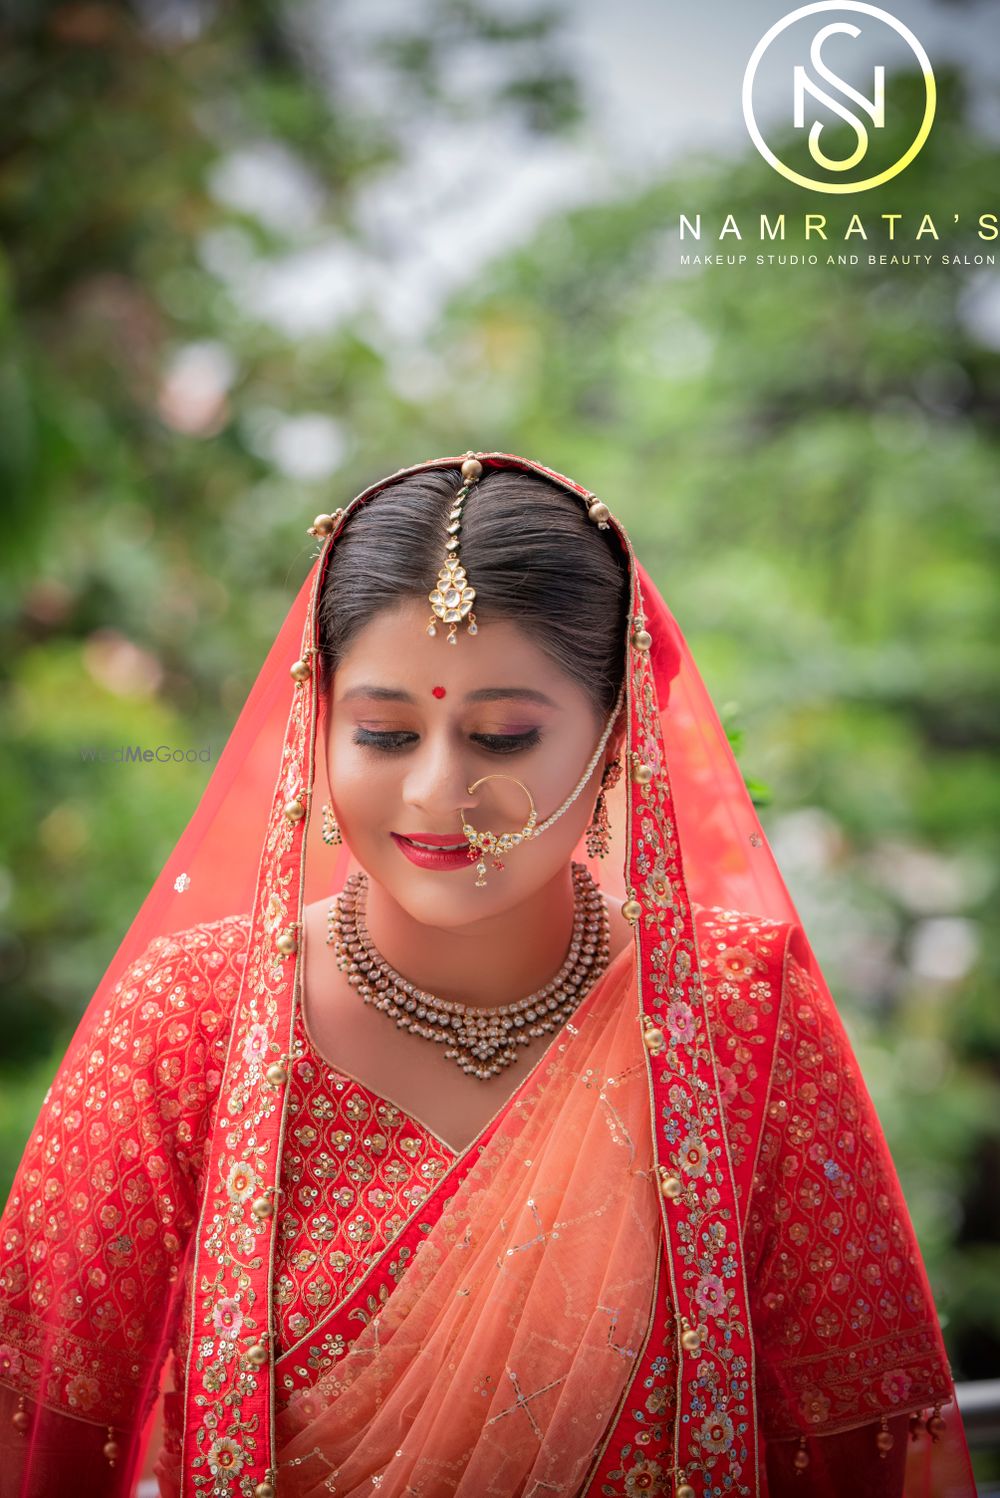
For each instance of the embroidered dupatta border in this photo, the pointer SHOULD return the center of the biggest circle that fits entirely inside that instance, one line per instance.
(229, 1403)
(230, 1397)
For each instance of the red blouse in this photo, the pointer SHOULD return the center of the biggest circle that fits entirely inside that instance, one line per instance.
(347, 1149)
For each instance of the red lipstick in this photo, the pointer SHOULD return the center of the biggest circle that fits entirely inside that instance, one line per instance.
(439, 855)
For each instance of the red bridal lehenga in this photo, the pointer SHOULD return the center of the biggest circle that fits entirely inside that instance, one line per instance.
(676, 1261)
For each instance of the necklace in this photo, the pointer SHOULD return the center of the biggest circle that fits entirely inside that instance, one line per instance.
(482, 1042)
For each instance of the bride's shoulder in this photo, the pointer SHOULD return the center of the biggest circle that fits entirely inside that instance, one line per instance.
(156, 1040)
(718, 929)
(196, 969)
(205, 943)
(743, 959)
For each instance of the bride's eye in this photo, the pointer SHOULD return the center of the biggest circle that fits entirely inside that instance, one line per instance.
(369, 739)
(494, 743)
(508, 743)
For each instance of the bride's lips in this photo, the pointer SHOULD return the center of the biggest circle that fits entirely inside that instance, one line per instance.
(438, 858)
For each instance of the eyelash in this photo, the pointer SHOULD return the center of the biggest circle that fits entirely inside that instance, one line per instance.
(506, 743)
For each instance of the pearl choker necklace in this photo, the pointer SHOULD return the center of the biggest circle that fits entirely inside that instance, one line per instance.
(483, 1042)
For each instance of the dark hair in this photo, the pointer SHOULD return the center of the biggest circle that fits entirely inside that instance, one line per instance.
(531, 552)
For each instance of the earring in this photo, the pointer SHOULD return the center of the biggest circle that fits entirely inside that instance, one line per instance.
(599, 830)
(331, 831)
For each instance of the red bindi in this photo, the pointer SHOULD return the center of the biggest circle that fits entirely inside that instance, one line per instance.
(438, 691)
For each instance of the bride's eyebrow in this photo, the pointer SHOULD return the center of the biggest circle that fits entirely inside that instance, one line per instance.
(482, 694)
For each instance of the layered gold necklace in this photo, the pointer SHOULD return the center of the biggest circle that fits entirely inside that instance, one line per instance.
(482, 1042)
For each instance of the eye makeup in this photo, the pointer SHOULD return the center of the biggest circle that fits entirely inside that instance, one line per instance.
(391, 741)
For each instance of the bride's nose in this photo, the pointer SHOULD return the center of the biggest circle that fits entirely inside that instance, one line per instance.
(437, 783)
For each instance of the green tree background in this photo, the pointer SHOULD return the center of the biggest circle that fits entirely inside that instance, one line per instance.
(807, 461)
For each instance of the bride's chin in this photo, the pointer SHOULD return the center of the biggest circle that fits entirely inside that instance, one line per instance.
(449, 902)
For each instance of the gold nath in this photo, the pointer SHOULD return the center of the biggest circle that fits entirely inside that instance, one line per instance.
(452, 599)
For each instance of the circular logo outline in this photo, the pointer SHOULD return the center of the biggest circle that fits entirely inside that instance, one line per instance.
(930, 85)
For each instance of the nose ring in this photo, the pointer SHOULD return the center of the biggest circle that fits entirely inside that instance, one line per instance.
(481, 843)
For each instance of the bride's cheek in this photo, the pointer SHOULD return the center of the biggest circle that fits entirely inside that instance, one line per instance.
(367, 790)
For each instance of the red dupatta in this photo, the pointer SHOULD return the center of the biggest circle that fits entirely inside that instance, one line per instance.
(749, 1352)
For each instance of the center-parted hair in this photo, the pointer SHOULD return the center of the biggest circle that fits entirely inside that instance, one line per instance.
(531, 554)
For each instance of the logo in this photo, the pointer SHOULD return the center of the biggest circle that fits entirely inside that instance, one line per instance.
(817, 92)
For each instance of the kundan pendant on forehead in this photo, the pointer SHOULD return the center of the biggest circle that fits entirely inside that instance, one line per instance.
(452, 599)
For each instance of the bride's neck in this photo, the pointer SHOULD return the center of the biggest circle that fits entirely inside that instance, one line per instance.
(495, 961)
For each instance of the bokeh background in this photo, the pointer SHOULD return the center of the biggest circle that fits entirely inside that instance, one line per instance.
(254, 256)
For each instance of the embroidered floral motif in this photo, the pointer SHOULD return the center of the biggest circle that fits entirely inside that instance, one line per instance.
(225, 1456)
(227, 1318)
(241, 1182)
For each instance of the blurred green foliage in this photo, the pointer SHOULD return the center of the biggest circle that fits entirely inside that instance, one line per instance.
(806, 461)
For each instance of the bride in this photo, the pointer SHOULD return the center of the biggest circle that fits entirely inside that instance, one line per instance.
(465, 1111)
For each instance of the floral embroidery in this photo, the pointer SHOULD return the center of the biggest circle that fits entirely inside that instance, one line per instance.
(241, 1182)
(256, 1046)
(822, 1254)
(711, 1294)
(225, 1456)
(646, 1478)
(82, 1392)
(737, 963)
(227, 1318)
(314, 1173)
(896, 1385)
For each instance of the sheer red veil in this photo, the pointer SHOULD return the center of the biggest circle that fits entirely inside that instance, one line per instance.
(86, 1319)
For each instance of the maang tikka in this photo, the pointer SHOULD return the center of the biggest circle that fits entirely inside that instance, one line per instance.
(452, 599)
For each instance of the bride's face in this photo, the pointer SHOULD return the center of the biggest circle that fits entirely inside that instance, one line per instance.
(414, 721)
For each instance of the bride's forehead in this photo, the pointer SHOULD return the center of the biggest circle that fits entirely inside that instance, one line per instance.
(398, 638)
(466, 674)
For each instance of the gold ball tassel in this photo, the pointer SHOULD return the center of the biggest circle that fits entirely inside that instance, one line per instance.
(801, 1458)
(884, 1440)
(112, 1450)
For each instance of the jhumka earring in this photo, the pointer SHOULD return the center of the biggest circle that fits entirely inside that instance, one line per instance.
(481, 843)
(331, 829)
(599, 830)
(452, 599)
